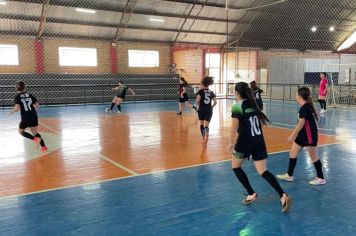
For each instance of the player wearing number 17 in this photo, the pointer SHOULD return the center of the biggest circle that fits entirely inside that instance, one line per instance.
(247, 141)
(27, 104)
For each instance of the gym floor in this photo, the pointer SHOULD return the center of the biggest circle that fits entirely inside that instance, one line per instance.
(145, 172)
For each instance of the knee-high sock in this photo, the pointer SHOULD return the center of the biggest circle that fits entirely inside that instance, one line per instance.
(273, 182)
(119, 107)
(291, 166)
(242, 177)
(27, 135)
(112, 106)
(319, 169)
(202, 130)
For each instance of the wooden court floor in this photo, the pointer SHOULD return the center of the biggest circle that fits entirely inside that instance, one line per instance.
(86, 148)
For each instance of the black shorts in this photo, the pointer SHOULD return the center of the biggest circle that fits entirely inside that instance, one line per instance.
(121, 96)
(303, 142)
(28, 123)
(184, 98)
(242, 151)
(205, 115)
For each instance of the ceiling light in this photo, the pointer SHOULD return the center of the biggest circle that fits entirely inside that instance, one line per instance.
(156, 20)
(313, 29)
(348, 42)
(332, 28)
(3, 3)
(85, 10)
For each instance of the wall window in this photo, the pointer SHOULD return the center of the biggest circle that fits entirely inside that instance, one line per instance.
(139, 58)
(9, 55)
(70, 56)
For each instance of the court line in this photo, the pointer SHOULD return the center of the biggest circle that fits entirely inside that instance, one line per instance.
(99, 154)
(138, 175)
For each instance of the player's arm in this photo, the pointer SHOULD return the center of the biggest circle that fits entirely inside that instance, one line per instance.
(234, 135)
(197, 100)
(15, 109)
(116, 88)
(184, 91)
(296, 130)
(214, 102)
(36, 105)
(131, 91)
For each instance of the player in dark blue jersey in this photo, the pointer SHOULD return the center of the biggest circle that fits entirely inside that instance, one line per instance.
(122, 89)
(248, 141)
(26, 103)
(305, 134)
(206, 101)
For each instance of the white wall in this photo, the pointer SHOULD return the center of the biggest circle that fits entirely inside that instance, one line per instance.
(347, 59)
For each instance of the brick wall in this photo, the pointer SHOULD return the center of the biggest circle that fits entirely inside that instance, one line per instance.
(191, 63)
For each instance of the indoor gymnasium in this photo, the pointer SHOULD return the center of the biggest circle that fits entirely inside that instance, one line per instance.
(178, 117)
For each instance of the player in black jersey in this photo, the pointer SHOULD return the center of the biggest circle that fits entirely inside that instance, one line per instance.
(248, 141)
(305, 134)
(118, 99)
(257, 92)
(183, 96)
(204, 100)
(27, 104)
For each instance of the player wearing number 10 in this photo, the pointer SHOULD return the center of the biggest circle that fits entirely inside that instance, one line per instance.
(27, 104)
(247, 141)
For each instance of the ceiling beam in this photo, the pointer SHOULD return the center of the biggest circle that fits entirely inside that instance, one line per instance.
(125, 18)
(105, 25)
(109, 39)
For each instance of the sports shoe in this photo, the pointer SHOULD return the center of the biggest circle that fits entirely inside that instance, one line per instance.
(195, 108)
(322, 111)
(179, 113)
(118, 112)
(285, 177)
(37, 141)
(317, 181)
(107, 110)
(287, 202)
(44, 149)
(249, 199)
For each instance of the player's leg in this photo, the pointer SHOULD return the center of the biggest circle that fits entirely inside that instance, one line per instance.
(313, 153)
(292, 163)
(118, 103)
(38, 138)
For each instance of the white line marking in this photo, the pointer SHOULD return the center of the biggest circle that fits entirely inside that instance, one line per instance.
(100, 155)
(133, 176)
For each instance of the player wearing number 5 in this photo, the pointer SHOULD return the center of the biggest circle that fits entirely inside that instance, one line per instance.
(27, 104)
(247, 141)
(205, 97)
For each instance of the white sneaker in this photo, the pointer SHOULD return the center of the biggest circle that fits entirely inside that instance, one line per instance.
(107, 110)
(317, 181)
(118, 112)
(285, 177)
(322, 111)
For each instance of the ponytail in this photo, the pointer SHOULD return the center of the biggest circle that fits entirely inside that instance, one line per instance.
(185, 83)
(315, 113)
(304, 92)
(246, 93)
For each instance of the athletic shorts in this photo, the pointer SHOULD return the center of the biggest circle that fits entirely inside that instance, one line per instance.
(28, 123)
(205, 115)
(121, 96)
(303, 142)
(245, 151)
(184, 98)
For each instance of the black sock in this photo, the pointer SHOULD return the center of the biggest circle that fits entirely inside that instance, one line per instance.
(319, 169)
(321, 103)
(242, 177)
(291, 166)
(42, 143)
(119, 107)
(273, 182)
(202, 130)
(112, 106)
(27, 135)
(324, 103)
(206, 130)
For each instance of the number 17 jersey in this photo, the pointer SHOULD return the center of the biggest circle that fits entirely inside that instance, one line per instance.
(250, 139)
(26, 102)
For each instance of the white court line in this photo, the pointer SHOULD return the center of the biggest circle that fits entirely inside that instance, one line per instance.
(100, 155)
(133, 176)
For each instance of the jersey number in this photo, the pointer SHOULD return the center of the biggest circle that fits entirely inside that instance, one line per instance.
(255, 126)
(27, 102)
(207, 98)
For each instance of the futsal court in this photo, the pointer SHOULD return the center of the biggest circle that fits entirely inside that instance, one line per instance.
(119, 148)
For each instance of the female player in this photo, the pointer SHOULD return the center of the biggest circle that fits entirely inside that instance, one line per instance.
(247, 121)
(183, 96)
(118, 99)
(204, 98)
(257, 92)
(27, 104)
(305, 134)
(323, 91)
